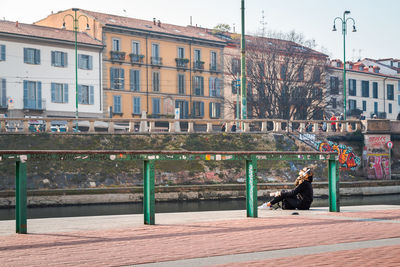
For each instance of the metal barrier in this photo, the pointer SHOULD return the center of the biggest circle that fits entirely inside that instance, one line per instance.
(21, 157)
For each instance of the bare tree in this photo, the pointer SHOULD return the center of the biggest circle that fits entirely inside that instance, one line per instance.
(285, 77)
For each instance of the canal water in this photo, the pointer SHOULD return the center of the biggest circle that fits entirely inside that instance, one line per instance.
(181, 206)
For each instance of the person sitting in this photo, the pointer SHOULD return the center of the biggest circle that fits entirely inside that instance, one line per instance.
(300, 197)
(233, 128)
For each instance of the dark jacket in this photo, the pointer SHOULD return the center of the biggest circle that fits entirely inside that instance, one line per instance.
(303, 192)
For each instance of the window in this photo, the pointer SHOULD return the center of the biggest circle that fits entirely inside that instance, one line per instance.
(235, 66)
(283, 72)
(117, 78)
(3, 93)
(2, 52)
(181, 84)
(235, 86)
(116, 44)
(198, 85)
(365, 88)
(183, 108)
(32, 95)
(215, 86)
(364, 105)
(352, 104)
(117, 104)
(197, 55)
(156, 106)
(334, 82)
(316, 75)
(301, 74)
(134, 83)
(352, 87)
(198, 109)
(85, 94)
(59, 92)
(135, 48)
(398, 100)
(375, 90)
(376, 108)
(156, 82)
(390, 108)
(334, 104)
(136, 105)
(181, 52)
(215, 110)
(155, 50)
(317, 93)
(31, 56)
(59, 59)
(213, 64)
(85, 62)
(390, 91)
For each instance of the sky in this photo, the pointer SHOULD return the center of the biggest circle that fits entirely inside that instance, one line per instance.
(377, 21)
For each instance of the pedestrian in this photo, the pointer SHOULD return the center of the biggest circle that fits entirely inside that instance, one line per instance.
(223, 127)
(300, 197)
(341, 118)
(333, 124)
(233, 128)
(374, 116)
(362, 116)
(398, 117)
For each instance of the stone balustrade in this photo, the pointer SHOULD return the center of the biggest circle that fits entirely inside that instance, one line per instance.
(115, 126)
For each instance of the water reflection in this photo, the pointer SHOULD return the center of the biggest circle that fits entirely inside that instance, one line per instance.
(183, 206)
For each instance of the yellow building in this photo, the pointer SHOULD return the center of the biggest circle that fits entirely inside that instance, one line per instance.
(154, 67)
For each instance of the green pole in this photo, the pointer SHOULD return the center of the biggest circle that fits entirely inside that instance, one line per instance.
(344, 64)
(243, 67)
(237, 101)
(20, 198)
(334, 193)
(76, 65)
(148, 192)
(251, 188)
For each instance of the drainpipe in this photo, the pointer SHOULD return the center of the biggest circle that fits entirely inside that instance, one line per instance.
(147, 77)
(100, 81)
(384, 96)
(190, 80)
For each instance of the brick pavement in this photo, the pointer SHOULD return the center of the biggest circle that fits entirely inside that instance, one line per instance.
(170, 242)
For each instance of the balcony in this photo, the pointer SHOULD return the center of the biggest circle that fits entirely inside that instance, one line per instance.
(35, 104)
(198, 65)
(182, 63)
(135, 58)
(117, 56)
(157, 61)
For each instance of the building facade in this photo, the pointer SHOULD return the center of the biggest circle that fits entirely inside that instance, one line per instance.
(37, 72)
(368, 91)
(154, 67)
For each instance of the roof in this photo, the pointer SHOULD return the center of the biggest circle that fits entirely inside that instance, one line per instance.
(365, 71)
(164, 28)
(30, 30)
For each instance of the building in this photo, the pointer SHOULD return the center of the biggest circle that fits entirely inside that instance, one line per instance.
(155, 67)
(37, 72)
(368, 90)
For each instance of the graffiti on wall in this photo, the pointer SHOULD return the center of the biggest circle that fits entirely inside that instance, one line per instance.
(378, 166)
(347, 159)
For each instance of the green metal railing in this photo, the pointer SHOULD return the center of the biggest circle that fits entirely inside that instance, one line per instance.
(21, 157)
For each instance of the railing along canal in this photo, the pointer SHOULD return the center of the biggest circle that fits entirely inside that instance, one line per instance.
(86, 125)
(23, 157)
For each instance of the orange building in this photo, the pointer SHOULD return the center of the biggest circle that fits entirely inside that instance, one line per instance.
(154, 67)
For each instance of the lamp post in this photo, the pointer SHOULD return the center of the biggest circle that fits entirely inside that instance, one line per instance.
(76, 29)
(344, 31)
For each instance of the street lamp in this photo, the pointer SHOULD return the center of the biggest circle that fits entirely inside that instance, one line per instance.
(344, 31)
(76, 29)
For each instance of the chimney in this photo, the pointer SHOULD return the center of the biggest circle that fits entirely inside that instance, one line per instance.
(154, 21)
(159, 23)
(16, 24)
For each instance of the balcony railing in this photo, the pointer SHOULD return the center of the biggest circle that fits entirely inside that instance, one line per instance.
(117, 55)
(213, 67)
(34, 104)
(156, 61)
(136, 58)
(181, 63)
(198, 65)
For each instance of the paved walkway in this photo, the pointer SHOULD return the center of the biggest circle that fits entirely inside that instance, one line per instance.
(363, 236)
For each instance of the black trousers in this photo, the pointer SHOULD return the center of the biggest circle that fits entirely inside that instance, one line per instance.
(288, 203)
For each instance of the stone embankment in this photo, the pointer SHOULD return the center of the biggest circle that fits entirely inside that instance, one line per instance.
(182, 193)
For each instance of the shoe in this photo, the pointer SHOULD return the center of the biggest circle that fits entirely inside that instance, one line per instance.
(263, 206)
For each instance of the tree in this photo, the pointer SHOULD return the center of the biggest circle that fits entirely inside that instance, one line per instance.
(222, 27)
(285, 77)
